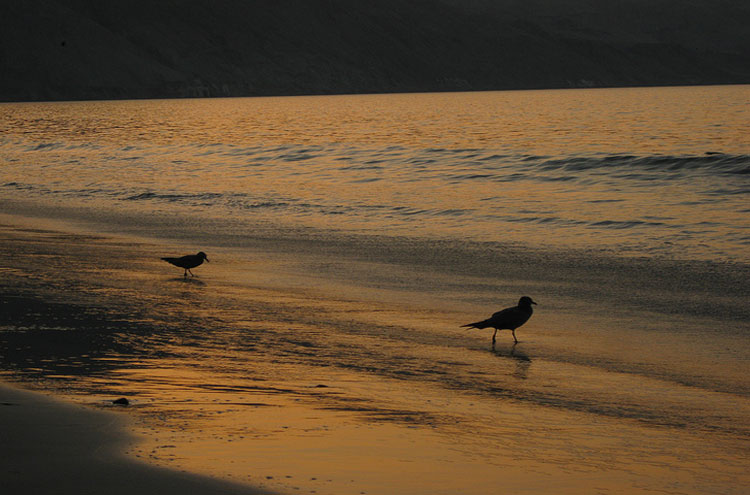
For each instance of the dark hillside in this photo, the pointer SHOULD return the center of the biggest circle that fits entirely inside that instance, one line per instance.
(85, 49)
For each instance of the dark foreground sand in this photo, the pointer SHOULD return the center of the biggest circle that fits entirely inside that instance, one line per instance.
(49, 447)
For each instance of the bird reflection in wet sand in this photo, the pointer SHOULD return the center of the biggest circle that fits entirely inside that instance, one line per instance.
(188, 262)
(522, 361)
(507, 319)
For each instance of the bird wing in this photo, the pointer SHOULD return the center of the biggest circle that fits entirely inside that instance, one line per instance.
(511, 318)
(502, 313)
(188, 261)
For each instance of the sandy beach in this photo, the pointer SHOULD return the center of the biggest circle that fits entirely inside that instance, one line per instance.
(221, 391)
(51, 447)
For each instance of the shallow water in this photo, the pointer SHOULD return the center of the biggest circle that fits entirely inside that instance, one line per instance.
(349, 237)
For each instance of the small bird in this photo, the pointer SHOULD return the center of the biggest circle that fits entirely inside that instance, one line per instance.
(507, 319)
(188, 262)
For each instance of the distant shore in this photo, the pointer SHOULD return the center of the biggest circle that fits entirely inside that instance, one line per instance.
(50, 447)
(181, 93)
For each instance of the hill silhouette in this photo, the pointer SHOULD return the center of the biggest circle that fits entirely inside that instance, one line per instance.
(88, 49)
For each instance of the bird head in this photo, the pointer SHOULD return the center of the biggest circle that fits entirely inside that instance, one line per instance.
(203, 255)
(525, 301)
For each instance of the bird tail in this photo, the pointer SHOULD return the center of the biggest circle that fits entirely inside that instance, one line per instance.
(476, 324)
(169, 260)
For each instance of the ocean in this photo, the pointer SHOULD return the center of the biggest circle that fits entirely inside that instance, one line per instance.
(349, 238)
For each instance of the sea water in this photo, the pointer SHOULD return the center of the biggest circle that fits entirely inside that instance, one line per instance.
(350, 237)
(635, 171)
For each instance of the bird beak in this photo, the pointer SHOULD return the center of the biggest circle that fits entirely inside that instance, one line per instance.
(208, 262)
(532, 302)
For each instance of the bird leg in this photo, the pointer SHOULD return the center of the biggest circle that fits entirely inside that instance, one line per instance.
(185, 274)
(514, 335)
(493, 338)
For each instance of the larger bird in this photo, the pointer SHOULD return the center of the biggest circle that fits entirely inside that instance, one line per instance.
(507, 319)
(188, 262)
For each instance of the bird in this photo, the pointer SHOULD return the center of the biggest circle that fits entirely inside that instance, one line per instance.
(188, 262)
(507, 319)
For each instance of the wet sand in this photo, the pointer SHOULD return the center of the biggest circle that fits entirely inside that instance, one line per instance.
(51, 447)
(232, 375)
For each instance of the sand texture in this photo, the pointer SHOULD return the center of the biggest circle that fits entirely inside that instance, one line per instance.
(50, 447)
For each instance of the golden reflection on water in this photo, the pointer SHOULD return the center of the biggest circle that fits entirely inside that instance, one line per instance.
(574, 169)
(680, 120)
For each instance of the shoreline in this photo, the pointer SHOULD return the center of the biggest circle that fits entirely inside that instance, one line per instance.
(50, 446)
(508, 89)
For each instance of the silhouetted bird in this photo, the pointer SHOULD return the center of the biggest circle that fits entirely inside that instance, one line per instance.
(188, 262)
(507, 319)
